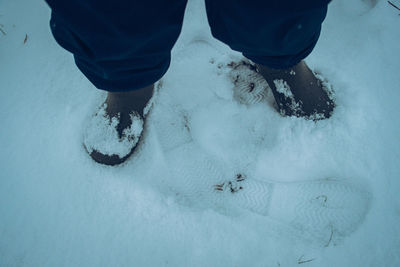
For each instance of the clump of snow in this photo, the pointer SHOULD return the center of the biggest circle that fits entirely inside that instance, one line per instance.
(283, 88)
(102, 136)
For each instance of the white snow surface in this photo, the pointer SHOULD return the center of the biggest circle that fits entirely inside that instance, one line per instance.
(315, 194)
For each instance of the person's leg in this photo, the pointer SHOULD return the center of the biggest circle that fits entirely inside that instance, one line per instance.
(122, 47)
(119, 45)
(277, 36)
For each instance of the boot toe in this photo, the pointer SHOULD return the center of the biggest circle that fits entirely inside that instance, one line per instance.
(106, 143)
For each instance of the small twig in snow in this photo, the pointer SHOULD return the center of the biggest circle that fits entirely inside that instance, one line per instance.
(1, 30)
(301, 261)
(330, 238)
(393, 5)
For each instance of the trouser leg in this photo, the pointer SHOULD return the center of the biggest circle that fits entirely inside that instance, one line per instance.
(277, 34)
(119, 45)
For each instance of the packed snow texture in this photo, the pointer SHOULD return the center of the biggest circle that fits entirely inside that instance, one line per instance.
(249, 86)
(221, 178)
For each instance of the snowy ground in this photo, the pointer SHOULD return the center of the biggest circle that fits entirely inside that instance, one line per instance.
(59, 208)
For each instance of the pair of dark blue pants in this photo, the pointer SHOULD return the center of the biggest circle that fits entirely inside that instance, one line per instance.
(122, 45)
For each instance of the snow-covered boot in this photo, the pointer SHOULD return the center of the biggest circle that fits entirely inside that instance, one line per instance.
(116, 128)
(298, 92)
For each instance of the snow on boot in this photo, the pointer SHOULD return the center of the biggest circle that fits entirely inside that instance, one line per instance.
(115, 130)
(109, 143)
(298, 92)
